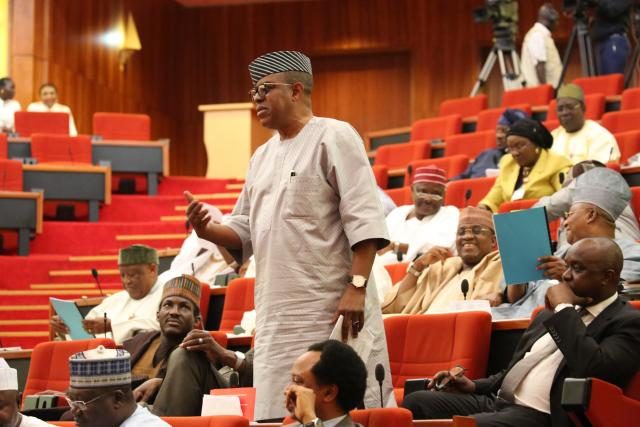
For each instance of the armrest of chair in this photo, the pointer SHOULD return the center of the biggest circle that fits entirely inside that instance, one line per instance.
(590, 401)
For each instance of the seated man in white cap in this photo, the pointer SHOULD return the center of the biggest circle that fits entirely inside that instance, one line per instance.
(578, 139)
(180, 360)
(424, 224)
(100, 393)
(433, 280)
(9, 400)
(598, 199)
(133, 309)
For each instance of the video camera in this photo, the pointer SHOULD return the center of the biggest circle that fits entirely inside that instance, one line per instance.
(578, 7)
(503, 15)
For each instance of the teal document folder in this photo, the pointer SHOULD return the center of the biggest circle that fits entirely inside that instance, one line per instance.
(70, 315)
(523, 237)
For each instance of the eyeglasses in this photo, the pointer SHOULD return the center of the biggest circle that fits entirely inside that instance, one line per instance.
(263, 89)
(79, 405)
(476, 230)
(566, 107)
(430, 196)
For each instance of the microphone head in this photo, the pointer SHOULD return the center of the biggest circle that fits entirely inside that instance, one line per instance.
(561, 178)
(379, 372)
(467, 194)
(464, 286)
(94, 273)
(234, 380)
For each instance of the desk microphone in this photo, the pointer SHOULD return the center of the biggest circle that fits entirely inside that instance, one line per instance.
(467, 197)
(561, 178)
(464, 287)
(105, 325)
(94, 273)
(380, 379)
(234, 380)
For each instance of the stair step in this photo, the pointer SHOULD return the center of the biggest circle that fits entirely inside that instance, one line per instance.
(101, 272)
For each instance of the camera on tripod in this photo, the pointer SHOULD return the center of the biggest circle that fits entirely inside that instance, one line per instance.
(503, 15)
(578, 7)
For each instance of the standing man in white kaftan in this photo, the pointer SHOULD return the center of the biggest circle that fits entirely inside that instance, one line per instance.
(133, 309)
(310, 213)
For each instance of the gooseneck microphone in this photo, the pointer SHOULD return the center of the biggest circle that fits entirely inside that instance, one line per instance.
(464, 287)
(380, 379)
(94, 273)
(234, 380)
(467, 197)
(561, 178)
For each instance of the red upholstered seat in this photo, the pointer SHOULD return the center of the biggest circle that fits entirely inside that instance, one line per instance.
(551, 124)
(470, 144)
(622, 121)
(610, 84)
(400, 155)
(629, 144)
(467, 192)
(27, 123)
(400, 196)
(452, 165)
(122, 126)
(538, 95)
(216, 421)
(48, 148)
(376, 417)
(635, 200)
(593, 103)
(436, 128)
(488, 119)
(421, 345)
(4, 146)
(10, 175)
(465, 107)
(397, 271)
(630, 99)
(237, 300)
(381, 174)
(49, 367)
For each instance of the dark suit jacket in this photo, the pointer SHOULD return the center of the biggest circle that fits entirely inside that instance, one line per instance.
(607, 349)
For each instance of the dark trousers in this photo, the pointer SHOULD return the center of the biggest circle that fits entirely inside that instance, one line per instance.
(486, 410)
(612, 54)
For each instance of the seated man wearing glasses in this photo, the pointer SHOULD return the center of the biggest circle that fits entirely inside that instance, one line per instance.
(100, 393)
(425, 224)
(433, 280)
(578, 139)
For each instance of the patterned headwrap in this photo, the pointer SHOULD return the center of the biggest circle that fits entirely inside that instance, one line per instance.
(431, 174)
(100, 367)
(278, 62)
(184, 286)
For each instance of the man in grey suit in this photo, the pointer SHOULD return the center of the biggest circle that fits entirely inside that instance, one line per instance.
(327, 382)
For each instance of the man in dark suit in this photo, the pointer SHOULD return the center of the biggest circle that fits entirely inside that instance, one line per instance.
(600, 339)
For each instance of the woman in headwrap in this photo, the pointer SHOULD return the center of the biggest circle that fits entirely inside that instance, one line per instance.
(529, 170)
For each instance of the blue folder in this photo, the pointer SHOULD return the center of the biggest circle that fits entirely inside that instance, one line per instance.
(523, 237)
(70, 315)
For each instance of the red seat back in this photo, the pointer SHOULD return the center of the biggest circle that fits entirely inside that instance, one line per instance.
(122, 126)
(467, 192)
(381, 173)
(4, 146)
(400, 155)
(48, 148)
(10, 175)
(27, 123)
(49, 367)
(488, 119)
(237, 300)
(397, 271)
(452, 165)
(630, 99)
(635, 201)
(465, 107)
(400, 196)
(551, 124)
(470, 144)
(621, 121)
(537, 95)
(629, 144)
(633, 388)
(382, 417)
(421, 345)
(610, 84)
(214, 421)
(436, 127)
(594, 107)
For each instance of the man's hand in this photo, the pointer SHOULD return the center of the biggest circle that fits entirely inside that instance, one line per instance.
(300, 402)
(96, 326)
(199, 340)
(452, 379)
(58, 326)
(197, 215)
(351, 306)
(563, 294)
(433, 255)
(145, 391)
(495, 298)
(553, 267)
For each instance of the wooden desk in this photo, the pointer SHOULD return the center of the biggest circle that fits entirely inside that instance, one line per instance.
(21, 211)
(71, 182)
(375, 139)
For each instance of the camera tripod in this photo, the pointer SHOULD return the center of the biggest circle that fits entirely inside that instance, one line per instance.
(580, 31)
(504, 52)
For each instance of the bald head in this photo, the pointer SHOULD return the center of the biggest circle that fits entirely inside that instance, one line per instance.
(548, 16)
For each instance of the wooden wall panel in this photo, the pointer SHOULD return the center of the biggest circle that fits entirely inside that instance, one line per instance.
(194, 56)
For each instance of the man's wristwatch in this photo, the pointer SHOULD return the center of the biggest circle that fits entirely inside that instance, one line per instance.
(411, 270)
(239, 360)
(314, 423)
(358, 281)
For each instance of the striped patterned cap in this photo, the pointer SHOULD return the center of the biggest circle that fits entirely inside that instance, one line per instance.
(100, 367)
(184, 286)
(279, 62)
(431, 174)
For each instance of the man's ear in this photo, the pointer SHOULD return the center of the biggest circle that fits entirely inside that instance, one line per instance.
(118, 398)
(197, 324)
(329, 393)
(297, 90)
